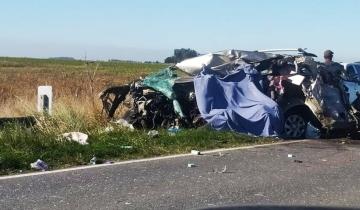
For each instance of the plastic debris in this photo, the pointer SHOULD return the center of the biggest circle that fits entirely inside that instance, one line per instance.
(195, 152)
(312, 132)
(291, 155)
(125, 124)
(222, 170)
(191, 165)
(220, 154)
(93, 160)
(79, 137)
(109, 129)
(153, 133)
(39, 165)
(126, 147)
(173, 130)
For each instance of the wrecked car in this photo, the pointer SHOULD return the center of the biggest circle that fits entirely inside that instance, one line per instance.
(262, 93)
(154, 105)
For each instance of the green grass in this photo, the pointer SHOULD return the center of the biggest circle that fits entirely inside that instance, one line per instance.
(51, 65)
(19, 147)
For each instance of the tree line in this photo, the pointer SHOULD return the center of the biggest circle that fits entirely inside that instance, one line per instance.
(181, 54)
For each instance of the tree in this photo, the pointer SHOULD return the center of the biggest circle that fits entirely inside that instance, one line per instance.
(170, 59)
(180, 55)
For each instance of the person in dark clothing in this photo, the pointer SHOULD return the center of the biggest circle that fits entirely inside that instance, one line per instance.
(331, 71)
(331, 74)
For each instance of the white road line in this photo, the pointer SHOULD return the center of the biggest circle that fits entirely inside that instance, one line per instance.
(146, 160)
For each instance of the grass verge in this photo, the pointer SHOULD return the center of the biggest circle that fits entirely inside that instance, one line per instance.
(19, 147)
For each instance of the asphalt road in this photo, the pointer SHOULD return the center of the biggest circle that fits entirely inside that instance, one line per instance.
(326, 174)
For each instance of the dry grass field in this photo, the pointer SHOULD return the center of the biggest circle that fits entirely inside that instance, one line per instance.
(76, 84)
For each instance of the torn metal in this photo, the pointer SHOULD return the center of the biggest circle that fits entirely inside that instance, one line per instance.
(160, 100)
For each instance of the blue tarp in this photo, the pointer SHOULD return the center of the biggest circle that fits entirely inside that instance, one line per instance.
(235, 103)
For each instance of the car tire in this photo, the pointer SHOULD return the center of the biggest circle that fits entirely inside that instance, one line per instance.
(295, 124)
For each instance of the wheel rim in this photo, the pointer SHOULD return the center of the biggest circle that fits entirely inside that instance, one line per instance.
(294, 126)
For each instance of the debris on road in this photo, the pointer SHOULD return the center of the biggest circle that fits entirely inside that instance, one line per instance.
(191, 165)
(153, 133)
(260, 194)
(224, 170)
(39, 165)
(220, 154)
(195, 152)
(93, 160)
(79, 137)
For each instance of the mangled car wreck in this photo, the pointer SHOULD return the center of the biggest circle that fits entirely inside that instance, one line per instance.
(261, 93)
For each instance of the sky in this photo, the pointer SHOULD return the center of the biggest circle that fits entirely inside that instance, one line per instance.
(144, 30)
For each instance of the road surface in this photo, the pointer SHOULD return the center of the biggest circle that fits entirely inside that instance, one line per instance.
(322, 173)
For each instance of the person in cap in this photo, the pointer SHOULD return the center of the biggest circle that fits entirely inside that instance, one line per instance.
(334, 69)
(331, 73)
(328, 56)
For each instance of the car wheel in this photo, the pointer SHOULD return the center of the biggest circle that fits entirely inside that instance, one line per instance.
(295, 126)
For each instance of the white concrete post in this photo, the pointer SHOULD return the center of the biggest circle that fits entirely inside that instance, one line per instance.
(44, 99)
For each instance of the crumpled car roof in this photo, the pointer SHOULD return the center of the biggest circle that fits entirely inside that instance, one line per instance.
(223, 61)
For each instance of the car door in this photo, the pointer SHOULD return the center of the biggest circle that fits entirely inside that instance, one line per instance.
(352, 82)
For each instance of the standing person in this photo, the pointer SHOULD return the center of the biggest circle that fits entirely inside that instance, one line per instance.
(333, 69)
(331, 73)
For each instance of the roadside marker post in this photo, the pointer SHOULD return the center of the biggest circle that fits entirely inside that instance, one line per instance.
(44, 99)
